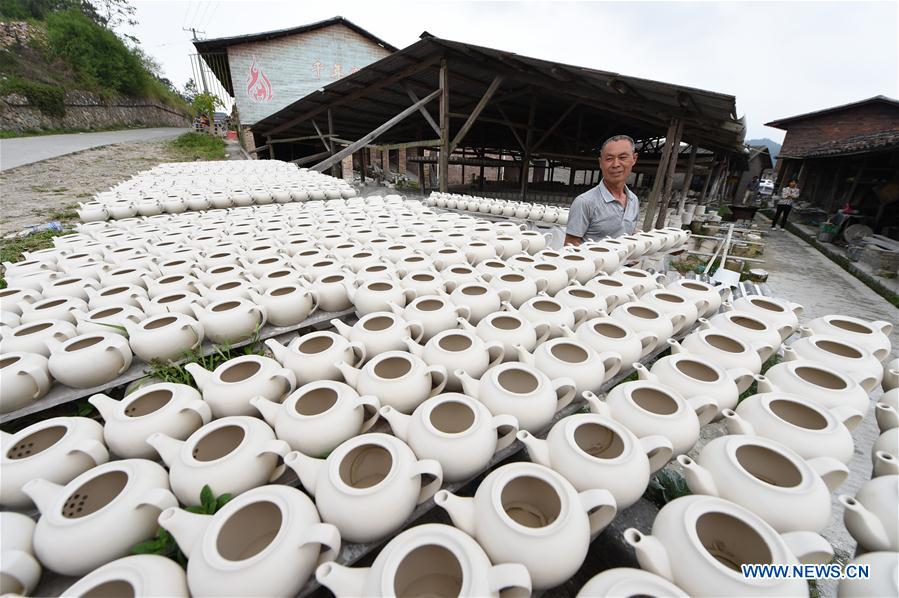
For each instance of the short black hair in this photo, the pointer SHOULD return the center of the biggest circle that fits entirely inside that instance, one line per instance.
(627, 138)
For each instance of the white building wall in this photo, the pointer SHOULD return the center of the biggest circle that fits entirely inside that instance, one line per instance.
(291, 67)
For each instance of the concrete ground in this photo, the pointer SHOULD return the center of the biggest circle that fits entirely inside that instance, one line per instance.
(27, 150)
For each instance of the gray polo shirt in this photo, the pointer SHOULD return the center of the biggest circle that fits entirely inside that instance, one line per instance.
(596, 214)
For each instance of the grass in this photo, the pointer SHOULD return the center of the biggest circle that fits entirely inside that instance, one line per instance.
(11, 249)
(64, 214)
(753, 388)
(198, 146)
(665, 486)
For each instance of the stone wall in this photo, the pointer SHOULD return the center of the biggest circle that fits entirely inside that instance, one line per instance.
(88, 111)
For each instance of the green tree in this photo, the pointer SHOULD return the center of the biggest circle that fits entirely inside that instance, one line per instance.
(190, 90)
(205, 104)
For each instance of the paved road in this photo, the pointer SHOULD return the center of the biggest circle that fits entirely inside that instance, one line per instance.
(25, 150)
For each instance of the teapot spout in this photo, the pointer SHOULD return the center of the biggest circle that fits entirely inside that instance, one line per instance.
(459, 508)
(597, 405)
(200, 374)
(343, 329)
(651, 553)
(350, 374)
(268, 409)
(278, 350)
(399, 422)
(307, 468)
(470, 386)
(43, 493)
(104, 404)
(698, 477)
(167, 447)
(736, 424)
(538, 449)
(865, 527)
(341, 580)
(524, 356)
(187, 528)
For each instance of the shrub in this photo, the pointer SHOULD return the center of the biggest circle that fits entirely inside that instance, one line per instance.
(48, 99)
(101, 59)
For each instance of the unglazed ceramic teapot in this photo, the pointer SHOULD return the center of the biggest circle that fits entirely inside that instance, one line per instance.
(592, 451)
(766, 477)
(312, 356)
(455, 430)
(368, 486)
(838, 354)
(873, 336)
(230, 455)
(526, 513)
(575, 359)
(813, 381)
(427, 560)
(117, 501)
(56, 449)
(700, 542)
(458, 349)
(19, 570)
(229, 388)
(871, 517)
(397, 378)
(243, 548)
(142, 574)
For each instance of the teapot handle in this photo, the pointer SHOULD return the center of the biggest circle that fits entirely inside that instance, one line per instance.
(315, 301)
(126, 358)
(358, 350)
(432, 468)
(439, 372)
(198, 331)
(496, 351)
(509, 576)
(600, 506)
(263, 314)
(289, 378)
(565, 391)
(369, 403)
(94, 450)
(416, 330)
(649, 341)
(326, 535)
(505, 420)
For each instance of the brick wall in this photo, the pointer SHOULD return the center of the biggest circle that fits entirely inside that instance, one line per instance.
(295, 66)
(807, 133)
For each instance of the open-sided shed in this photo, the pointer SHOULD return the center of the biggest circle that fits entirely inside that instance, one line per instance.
(490, 102)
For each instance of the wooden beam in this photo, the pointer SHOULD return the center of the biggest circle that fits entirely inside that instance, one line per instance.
(295, 139)
(508, 123)
(555, 125)
(410, 70)
(312, 158)
(659, 176)
(425, 143)
(335, 170)
(529, 139)
(423, 110)
(322, 137)
(366, 139)
(485, 99)
(271, 148)
(669, 174)
(443, 91)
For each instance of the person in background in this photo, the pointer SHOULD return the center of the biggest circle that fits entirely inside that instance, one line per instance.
(788, 195)
(610, 209)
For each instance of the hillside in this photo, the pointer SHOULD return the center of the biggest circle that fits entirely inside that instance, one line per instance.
(46, 55)
(773, 146)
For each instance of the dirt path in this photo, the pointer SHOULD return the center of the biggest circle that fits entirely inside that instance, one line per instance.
(50, 190)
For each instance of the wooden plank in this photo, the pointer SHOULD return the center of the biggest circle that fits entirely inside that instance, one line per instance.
(443, 164)
(485, 99)
(295, 139)
(366, 139)
(312, 158)
(423, 110)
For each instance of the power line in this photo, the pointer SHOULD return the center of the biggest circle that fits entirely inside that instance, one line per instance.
(202, 16)
(212, 14)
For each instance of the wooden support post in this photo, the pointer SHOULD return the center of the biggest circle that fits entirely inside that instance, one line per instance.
(857, 180)
(660, 175)
(528, 142)
(705, 185)
(483, 156)
(669, 175)
(271, 148)
(688, 178)
(363, 155)
(443, 157)
(366, 139)
(325, 141)
(335, 170)
(422, 184)
(571, 173)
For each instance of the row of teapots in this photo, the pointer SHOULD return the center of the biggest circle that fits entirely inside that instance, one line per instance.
(537, 212)
(386, 364)
(173, 191)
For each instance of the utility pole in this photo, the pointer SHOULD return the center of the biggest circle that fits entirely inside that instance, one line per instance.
(193, 30)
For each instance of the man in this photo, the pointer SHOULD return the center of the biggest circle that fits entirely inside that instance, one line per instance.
(788, 195)
(610, 209)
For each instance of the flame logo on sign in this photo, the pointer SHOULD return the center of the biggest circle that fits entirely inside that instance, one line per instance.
(259, 89)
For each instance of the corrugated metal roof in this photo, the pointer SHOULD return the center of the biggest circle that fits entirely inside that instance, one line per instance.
(607, 103)
(881, 99)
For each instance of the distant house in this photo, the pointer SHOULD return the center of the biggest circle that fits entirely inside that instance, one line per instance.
(845, 154)
(264, 72)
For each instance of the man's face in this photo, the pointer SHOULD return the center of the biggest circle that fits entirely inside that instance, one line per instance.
(617, 161)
